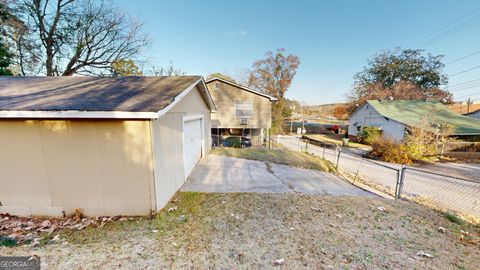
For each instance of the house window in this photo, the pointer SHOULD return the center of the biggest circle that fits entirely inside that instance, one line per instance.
(216, 86)
(243, 109)
(359, 128)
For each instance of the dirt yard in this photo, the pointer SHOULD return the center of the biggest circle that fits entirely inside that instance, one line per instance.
(258, 231)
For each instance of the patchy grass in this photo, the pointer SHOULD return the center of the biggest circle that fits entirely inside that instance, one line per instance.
(335, 139)
(7, 241)
(251, 231)
(279, 156)
(454, 218)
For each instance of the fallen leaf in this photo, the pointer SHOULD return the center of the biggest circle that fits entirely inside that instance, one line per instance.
(423, 254)
(56, 238)
(278, 262)
(46, 224)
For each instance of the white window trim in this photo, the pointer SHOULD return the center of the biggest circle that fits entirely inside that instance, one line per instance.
(244, 102)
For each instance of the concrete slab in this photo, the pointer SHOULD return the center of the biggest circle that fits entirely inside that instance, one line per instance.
(217, 173)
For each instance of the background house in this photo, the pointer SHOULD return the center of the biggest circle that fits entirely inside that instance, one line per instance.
(394, 117)
(108, 146)
(241, 111)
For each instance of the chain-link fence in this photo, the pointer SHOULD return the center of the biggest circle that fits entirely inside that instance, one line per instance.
(441, 191)
(435, 190)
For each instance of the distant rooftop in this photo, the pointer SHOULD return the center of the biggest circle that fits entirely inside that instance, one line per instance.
(413, 112)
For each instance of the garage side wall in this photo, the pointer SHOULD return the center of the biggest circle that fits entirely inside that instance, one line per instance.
(168, 144)
(101, 167)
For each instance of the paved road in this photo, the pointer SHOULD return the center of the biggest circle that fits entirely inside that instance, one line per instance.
(445, 191)
(217, 173)
(462, 170)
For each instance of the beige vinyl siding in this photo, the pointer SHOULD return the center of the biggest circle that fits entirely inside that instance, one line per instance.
(168, 144)
(225, 98)
(103, 167)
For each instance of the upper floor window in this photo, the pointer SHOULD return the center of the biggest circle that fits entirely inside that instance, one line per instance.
(216, 86)
(243, 109)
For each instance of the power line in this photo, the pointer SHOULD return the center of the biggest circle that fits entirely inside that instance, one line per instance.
(452, 31)
(444, 27)
(463, 57)
(470, 95)
(462, 83)
(463, 88)
(463, 71)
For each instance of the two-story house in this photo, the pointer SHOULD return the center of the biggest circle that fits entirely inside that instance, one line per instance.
(241, 111)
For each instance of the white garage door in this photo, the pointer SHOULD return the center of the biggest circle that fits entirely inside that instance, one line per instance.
(192, 144)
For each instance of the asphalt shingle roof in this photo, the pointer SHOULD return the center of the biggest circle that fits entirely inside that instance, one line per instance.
(414, 112)
(82, 93)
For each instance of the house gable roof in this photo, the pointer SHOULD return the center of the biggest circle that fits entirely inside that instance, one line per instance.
(413, 112)
(95, 97)
(243, 88)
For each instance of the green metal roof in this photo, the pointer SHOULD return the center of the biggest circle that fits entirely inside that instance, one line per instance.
(414, 112)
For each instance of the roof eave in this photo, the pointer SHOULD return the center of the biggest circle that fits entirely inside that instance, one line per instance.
(205, 93)
(273, 99)
(13, 114)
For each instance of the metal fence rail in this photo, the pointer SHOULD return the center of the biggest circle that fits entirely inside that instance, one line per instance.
(436, 190)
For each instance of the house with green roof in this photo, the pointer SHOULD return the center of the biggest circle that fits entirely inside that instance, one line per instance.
(396, 117)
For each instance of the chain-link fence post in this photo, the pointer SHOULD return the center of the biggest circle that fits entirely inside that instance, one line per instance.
(401, 178)
(399, 175)
(338, 157)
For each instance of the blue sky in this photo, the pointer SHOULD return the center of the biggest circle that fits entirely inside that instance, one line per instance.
(333, 39)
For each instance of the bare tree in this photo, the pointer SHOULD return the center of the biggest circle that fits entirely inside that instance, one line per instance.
(273, 75)
(77, 36)
(170, 70)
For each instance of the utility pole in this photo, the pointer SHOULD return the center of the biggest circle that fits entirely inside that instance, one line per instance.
(303, 118)
(468, 105)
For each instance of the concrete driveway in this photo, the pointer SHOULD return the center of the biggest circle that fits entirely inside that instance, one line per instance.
(217, 173)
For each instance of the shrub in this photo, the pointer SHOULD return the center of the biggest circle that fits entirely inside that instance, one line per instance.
(390, 151)
(369, 134)
(406, 152)
(232, 142)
